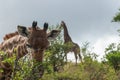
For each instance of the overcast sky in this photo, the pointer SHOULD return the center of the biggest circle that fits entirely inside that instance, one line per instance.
(87, 20)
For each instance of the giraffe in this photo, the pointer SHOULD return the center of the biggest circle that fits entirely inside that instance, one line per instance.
(7, 36)
(67, 40)
(33, 37)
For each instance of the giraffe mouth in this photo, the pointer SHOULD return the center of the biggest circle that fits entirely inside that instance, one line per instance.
(33, 50)
(38, 50)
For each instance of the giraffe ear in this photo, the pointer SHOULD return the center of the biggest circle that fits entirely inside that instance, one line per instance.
(22, 30)
(53, 34)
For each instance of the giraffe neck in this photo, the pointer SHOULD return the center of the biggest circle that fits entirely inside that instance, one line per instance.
(10, 35)
(17, 42)
(67, 37)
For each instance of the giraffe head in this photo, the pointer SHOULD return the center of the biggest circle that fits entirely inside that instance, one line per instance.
(37, 38)
(62, 24)
(64, 27)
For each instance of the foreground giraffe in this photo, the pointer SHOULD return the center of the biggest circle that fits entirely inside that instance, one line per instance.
(67, 40)
(34, 37)
(7, 36)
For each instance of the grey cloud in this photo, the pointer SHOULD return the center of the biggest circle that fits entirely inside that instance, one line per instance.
(86, 19)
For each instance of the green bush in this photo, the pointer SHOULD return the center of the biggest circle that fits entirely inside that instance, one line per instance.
(113, 55)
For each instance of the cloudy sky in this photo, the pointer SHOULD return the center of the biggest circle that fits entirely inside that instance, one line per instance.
(87, 20)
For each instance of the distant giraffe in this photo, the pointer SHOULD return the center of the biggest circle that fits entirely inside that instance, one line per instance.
(35, 38)
(67, 39)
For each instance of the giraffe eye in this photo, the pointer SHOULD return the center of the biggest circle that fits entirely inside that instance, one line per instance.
(28, 45)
